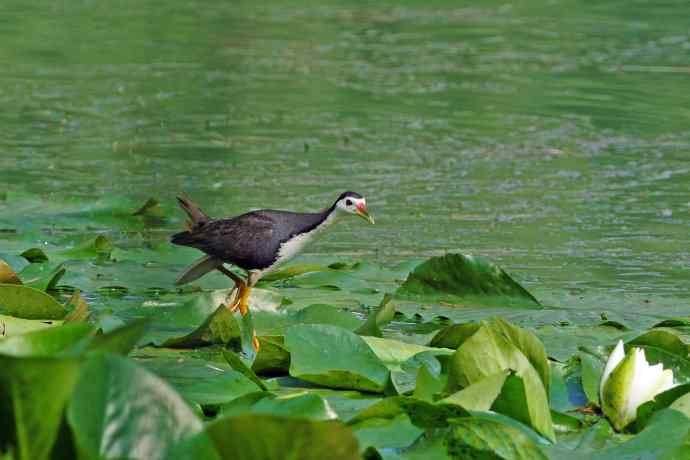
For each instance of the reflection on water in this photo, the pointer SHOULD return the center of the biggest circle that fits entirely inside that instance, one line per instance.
(551, 135)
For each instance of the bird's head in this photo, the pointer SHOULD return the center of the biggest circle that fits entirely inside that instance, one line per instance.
(353, 203)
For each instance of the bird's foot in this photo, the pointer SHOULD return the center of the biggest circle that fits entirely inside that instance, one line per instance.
(241, 301)
(232, 301)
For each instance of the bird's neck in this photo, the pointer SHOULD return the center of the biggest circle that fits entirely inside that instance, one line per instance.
(328, 217)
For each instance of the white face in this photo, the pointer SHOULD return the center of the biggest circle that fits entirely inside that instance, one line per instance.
(349, 204)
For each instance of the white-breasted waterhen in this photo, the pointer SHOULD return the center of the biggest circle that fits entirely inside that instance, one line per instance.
(257, 242)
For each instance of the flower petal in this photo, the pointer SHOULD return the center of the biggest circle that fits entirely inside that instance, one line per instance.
(630, 384)
(616, 393)
(615, 358)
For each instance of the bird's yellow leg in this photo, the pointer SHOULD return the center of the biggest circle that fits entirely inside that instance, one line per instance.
(255, 341)
(240, 286)
(237, 298)
(243, 300)
(242, 303)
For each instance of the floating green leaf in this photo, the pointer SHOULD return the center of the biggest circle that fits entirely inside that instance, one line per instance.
(454, 335)
(152, 212)
(267, 437)
(219, 327)
(423, 414)
(201, 320)
(43, 276)
(378, 318)
(35, 255)
(292, 271)
(666, 437)
(238, 365)
(218, 389)
(9, 325)
(302, 405)
(273, 356)
(334, 357)
(478, 438)
(29, 303)
(121, 410)
(591, 368)
(464, 280)
(33, 394)
(120, 340)
(662, 340)
(528, 344)
(479, 395)
(396, 433)
(45, 342)
(523, 396)
(78, 308)
(98, 246)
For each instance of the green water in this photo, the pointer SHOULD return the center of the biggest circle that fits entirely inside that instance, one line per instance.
(551, 136)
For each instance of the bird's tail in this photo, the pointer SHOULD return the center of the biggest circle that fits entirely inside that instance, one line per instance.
(196, 216)
(198, 269)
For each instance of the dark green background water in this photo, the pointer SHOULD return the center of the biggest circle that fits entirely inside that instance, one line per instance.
(552, 136)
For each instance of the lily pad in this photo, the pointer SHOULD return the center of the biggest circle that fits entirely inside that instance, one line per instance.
(218, 389)
(302, 405)
(268, 437)
(396, 433)
(44, 276)
(35, 255)
(29, 303)
(78, 308)
(334, 357)
(528, 344)
(464, 280)
(454, 335)
(405, 359)
(203, 319)
(238, 365)
(481, 438)
(33, 395)
(151, 212)
(220, 327)
(292, 271)
(45, 342)
(273, 356)
(9, 325)
(120, 340)
(121, 410)
(523, 396)
(99, 246)
(423, 414)
(480, 395)
(665, 438)
(377, 319)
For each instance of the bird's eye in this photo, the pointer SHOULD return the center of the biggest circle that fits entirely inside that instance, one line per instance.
(348, 202)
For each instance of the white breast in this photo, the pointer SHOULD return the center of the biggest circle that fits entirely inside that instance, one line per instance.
(291, 248)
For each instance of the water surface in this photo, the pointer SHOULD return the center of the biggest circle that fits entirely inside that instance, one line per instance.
(552, 136)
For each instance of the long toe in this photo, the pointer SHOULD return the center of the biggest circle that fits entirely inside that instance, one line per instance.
(244, 301)
(232, 301)
(244, 308)
(255, 341)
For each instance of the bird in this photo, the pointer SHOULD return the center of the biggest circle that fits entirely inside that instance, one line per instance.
(258, 242)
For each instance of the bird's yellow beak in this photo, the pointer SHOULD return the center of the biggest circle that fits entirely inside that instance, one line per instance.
(363, 212)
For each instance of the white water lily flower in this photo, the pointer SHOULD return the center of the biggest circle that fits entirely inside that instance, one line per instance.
(629, 381)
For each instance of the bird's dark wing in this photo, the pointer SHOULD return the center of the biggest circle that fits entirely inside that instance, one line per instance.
(245, 241)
